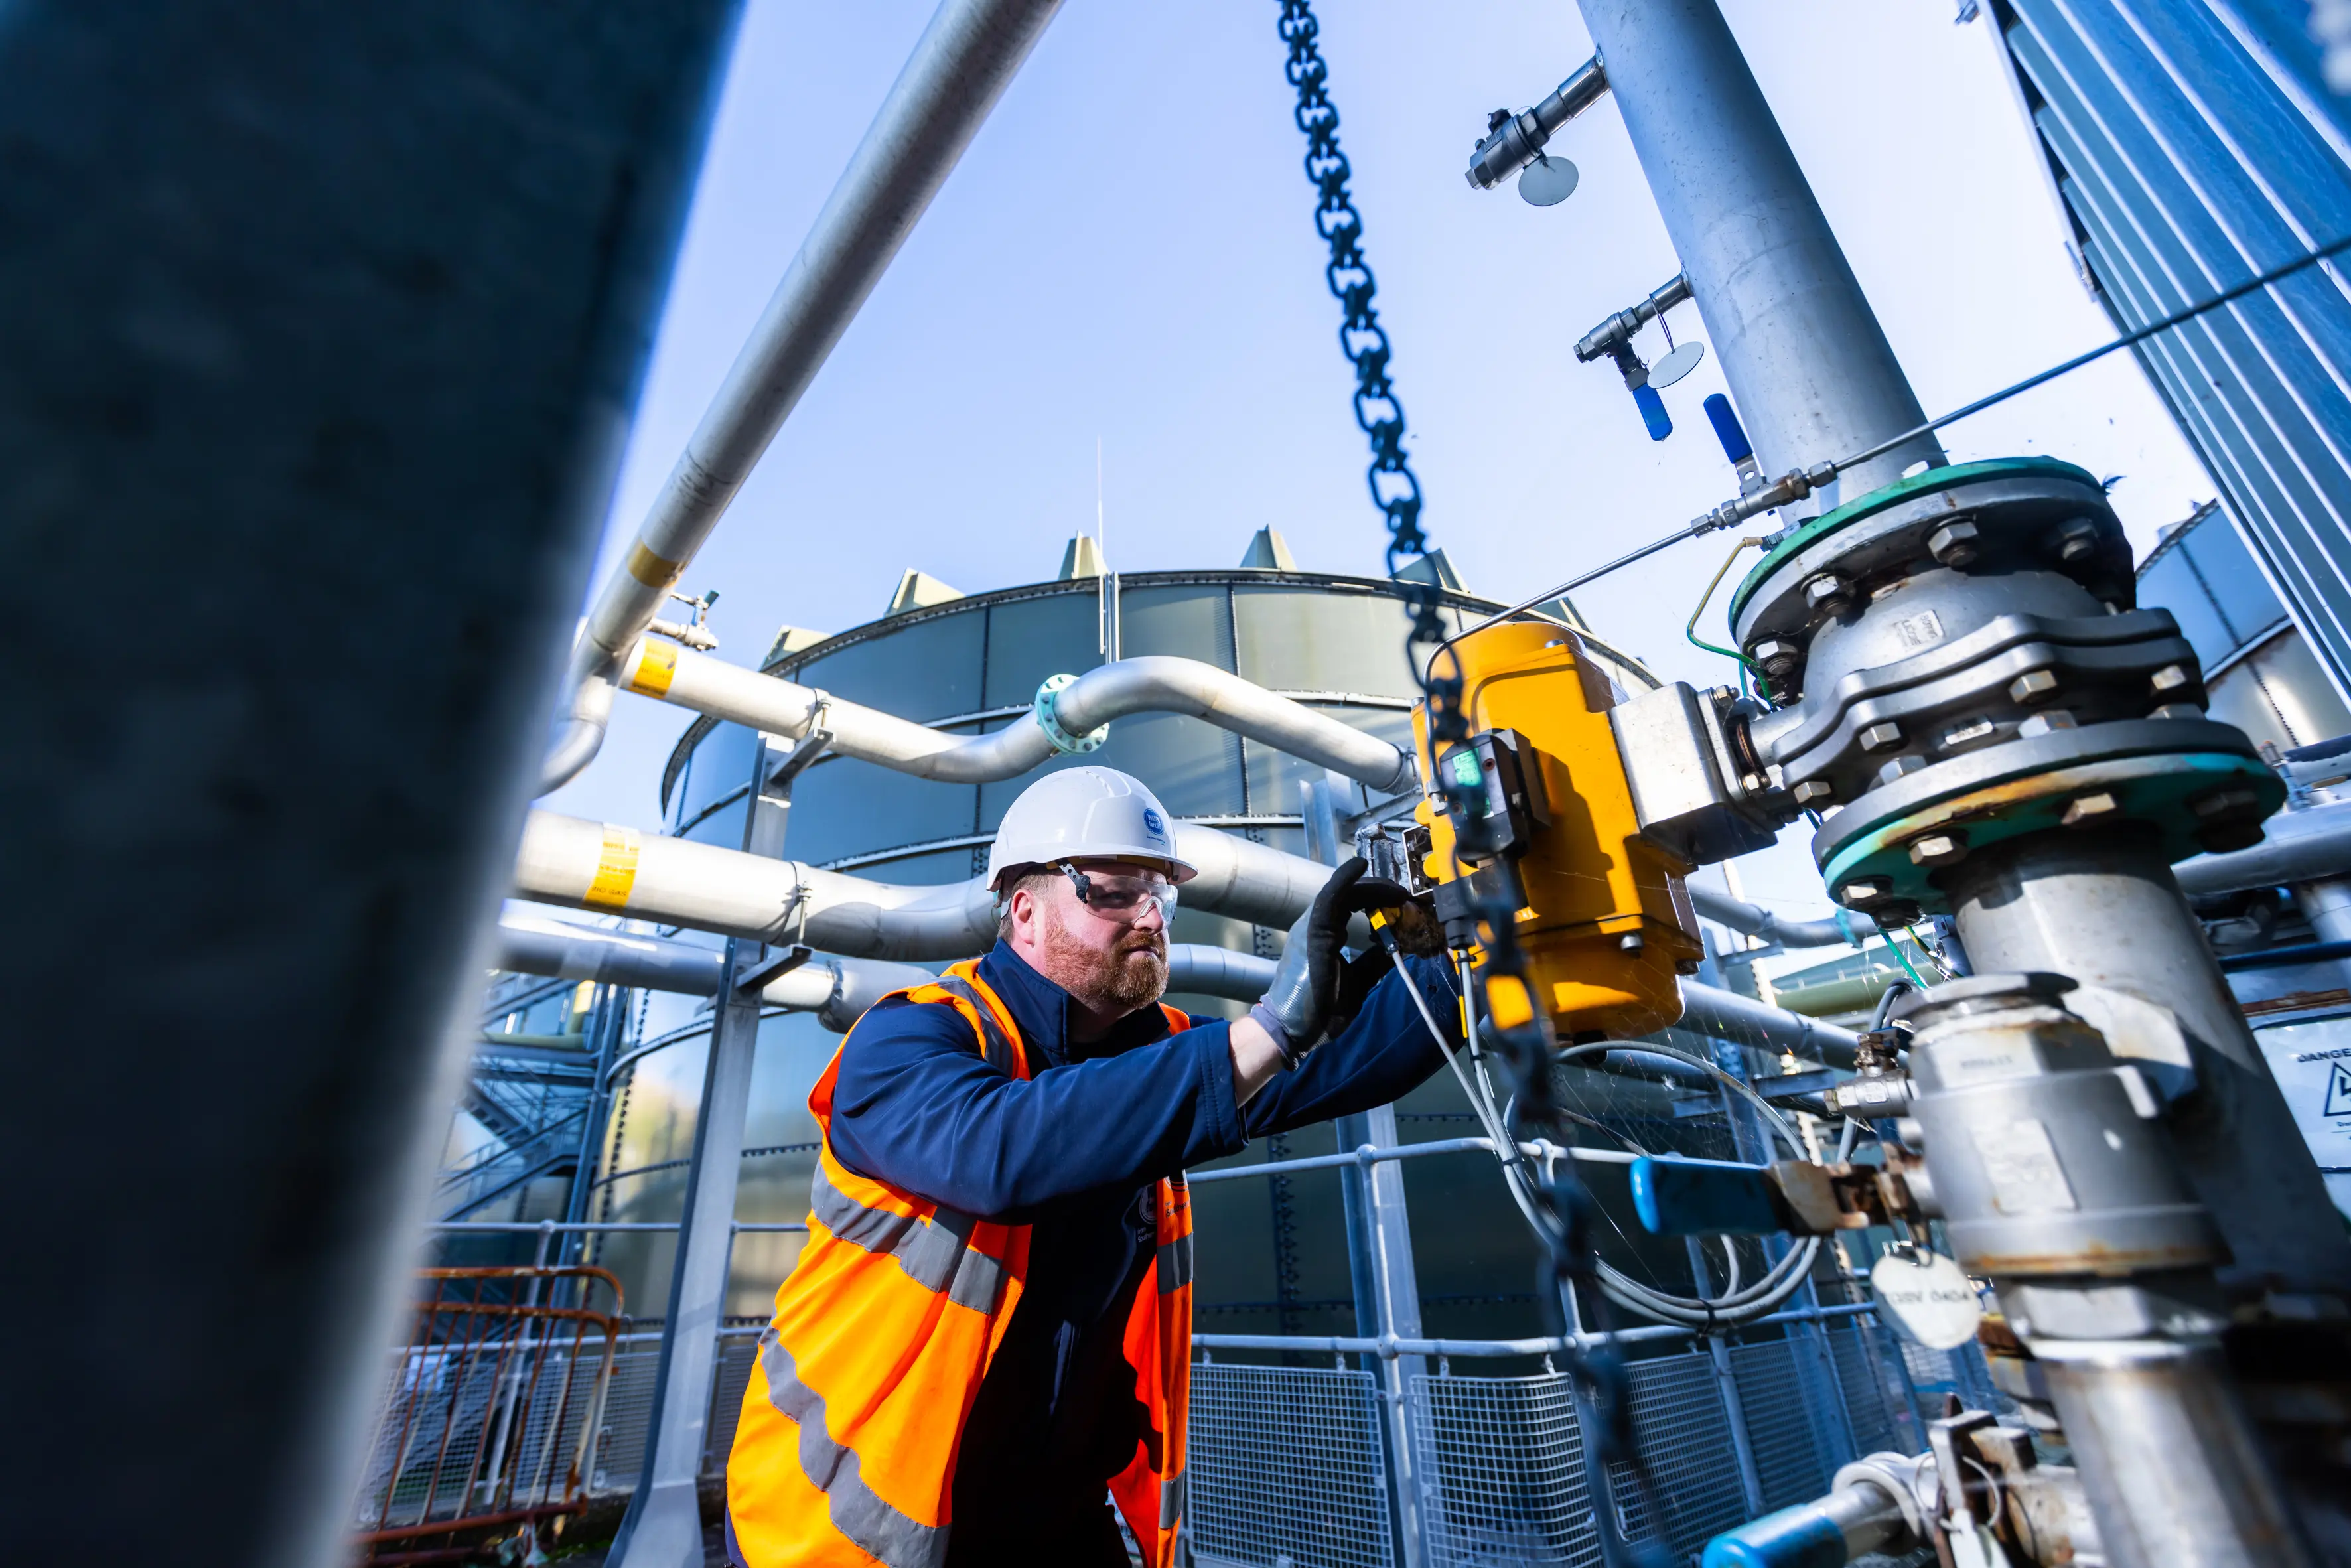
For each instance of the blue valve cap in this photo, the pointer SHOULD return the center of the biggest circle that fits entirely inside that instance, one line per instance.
(1800, 1537)
(1653, 411)
(1727, 430)
(1703, 1197)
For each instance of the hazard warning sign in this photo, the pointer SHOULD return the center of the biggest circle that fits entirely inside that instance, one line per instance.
(2312, 1062)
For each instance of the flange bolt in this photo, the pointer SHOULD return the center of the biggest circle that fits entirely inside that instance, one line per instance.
(2170, 678)
(1883, 736)
(2032, 686)
(1864, 891)
(2214, 805)
(2077, 539)
(1774, 657)
(1812, 792)
(1954, 544)
(2042, 723)
(1938, 849)
(1828, 594)
(2091, 811)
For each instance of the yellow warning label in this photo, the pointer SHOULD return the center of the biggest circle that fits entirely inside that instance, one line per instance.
(650, 570)
(656, 668)
(616, 869)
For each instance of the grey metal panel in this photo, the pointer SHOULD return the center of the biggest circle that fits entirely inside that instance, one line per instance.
(1030, 640)
(1274, 776)
(2188, 167)
(720, 766)
(1191, 766)
(928, 670)
(722, 827)
(1185, 622)
(844, 807)
(2172, 583)
(1333, 642)
(2239, 593)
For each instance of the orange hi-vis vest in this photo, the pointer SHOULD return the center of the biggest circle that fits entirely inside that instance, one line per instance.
(845, 1452)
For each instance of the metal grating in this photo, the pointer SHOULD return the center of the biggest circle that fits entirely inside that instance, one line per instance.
(1503, 1481)
(1796, 1454)
(1684, 1437)
(1285, 1465)
(1876, 1403)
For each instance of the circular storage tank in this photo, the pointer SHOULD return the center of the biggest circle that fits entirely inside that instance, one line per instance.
(1273, 1253)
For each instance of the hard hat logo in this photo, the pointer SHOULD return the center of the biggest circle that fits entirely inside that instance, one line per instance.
(1083, 814)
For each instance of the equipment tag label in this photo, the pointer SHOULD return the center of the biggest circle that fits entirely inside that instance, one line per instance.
(1919, 631)
(2021, 1165)
(1927, 1299)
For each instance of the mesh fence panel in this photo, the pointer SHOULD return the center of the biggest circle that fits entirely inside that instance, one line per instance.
(1285, 1465)
(1869, 1379)
(1503, 1479)
(620, 1450)
(737, 1352)
(1684, 1437)
(1794, 1446)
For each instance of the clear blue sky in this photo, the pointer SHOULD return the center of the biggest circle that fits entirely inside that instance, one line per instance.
(1127, 251)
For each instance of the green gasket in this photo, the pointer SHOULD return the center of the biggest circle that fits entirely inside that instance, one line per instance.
(2149, 789)
(1933, 481)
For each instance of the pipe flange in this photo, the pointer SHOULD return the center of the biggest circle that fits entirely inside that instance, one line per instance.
(1065, 743)
(2006, 515)
(2198, 782)
(1969, 693)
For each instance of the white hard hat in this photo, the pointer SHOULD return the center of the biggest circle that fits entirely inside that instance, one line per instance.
(1086, 813)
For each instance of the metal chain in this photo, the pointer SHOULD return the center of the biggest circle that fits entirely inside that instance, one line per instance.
(1525, 1045)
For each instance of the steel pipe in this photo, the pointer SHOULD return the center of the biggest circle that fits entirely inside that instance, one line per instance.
(1809, 367)
(615, 870)
(2310, 845)
(961, 67)
(1710, 1010)
(1154, 683)
(2104, 908)
(1752, 920)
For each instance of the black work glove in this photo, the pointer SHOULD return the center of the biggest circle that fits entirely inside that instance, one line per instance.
(1296, 1006)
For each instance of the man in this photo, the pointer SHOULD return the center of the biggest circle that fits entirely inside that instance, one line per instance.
(989, 1329)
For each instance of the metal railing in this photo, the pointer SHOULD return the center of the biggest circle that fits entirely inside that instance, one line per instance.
(1293, 1462)
(489, 1414)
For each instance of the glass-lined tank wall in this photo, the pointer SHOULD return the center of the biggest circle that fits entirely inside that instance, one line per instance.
(1273, 1256)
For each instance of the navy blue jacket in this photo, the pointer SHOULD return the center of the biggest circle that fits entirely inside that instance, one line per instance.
(1073, 1152)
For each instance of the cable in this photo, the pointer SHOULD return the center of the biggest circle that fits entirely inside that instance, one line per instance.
(1690, 629)
(1737, 1303)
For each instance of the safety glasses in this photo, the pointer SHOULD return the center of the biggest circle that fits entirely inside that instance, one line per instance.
(1121, 898)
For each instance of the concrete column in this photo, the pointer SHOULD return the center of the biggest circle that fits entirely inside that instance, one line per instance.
(319, 327)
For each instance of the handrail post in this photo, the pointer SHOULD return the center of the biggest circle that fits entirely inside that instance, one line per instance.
(1387, 1308)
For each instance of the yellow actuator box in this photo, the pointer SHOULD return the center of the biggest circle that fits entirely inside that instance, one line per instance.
(1607, 924)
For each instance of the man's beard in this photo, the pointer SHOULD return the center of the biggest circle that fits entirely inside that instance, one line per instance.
(1134, 974)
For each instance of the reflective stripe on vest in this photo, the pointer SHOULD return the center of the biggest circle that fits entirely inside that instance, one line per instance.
(857, 1511)
(935, 1253)
(845, 1451)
